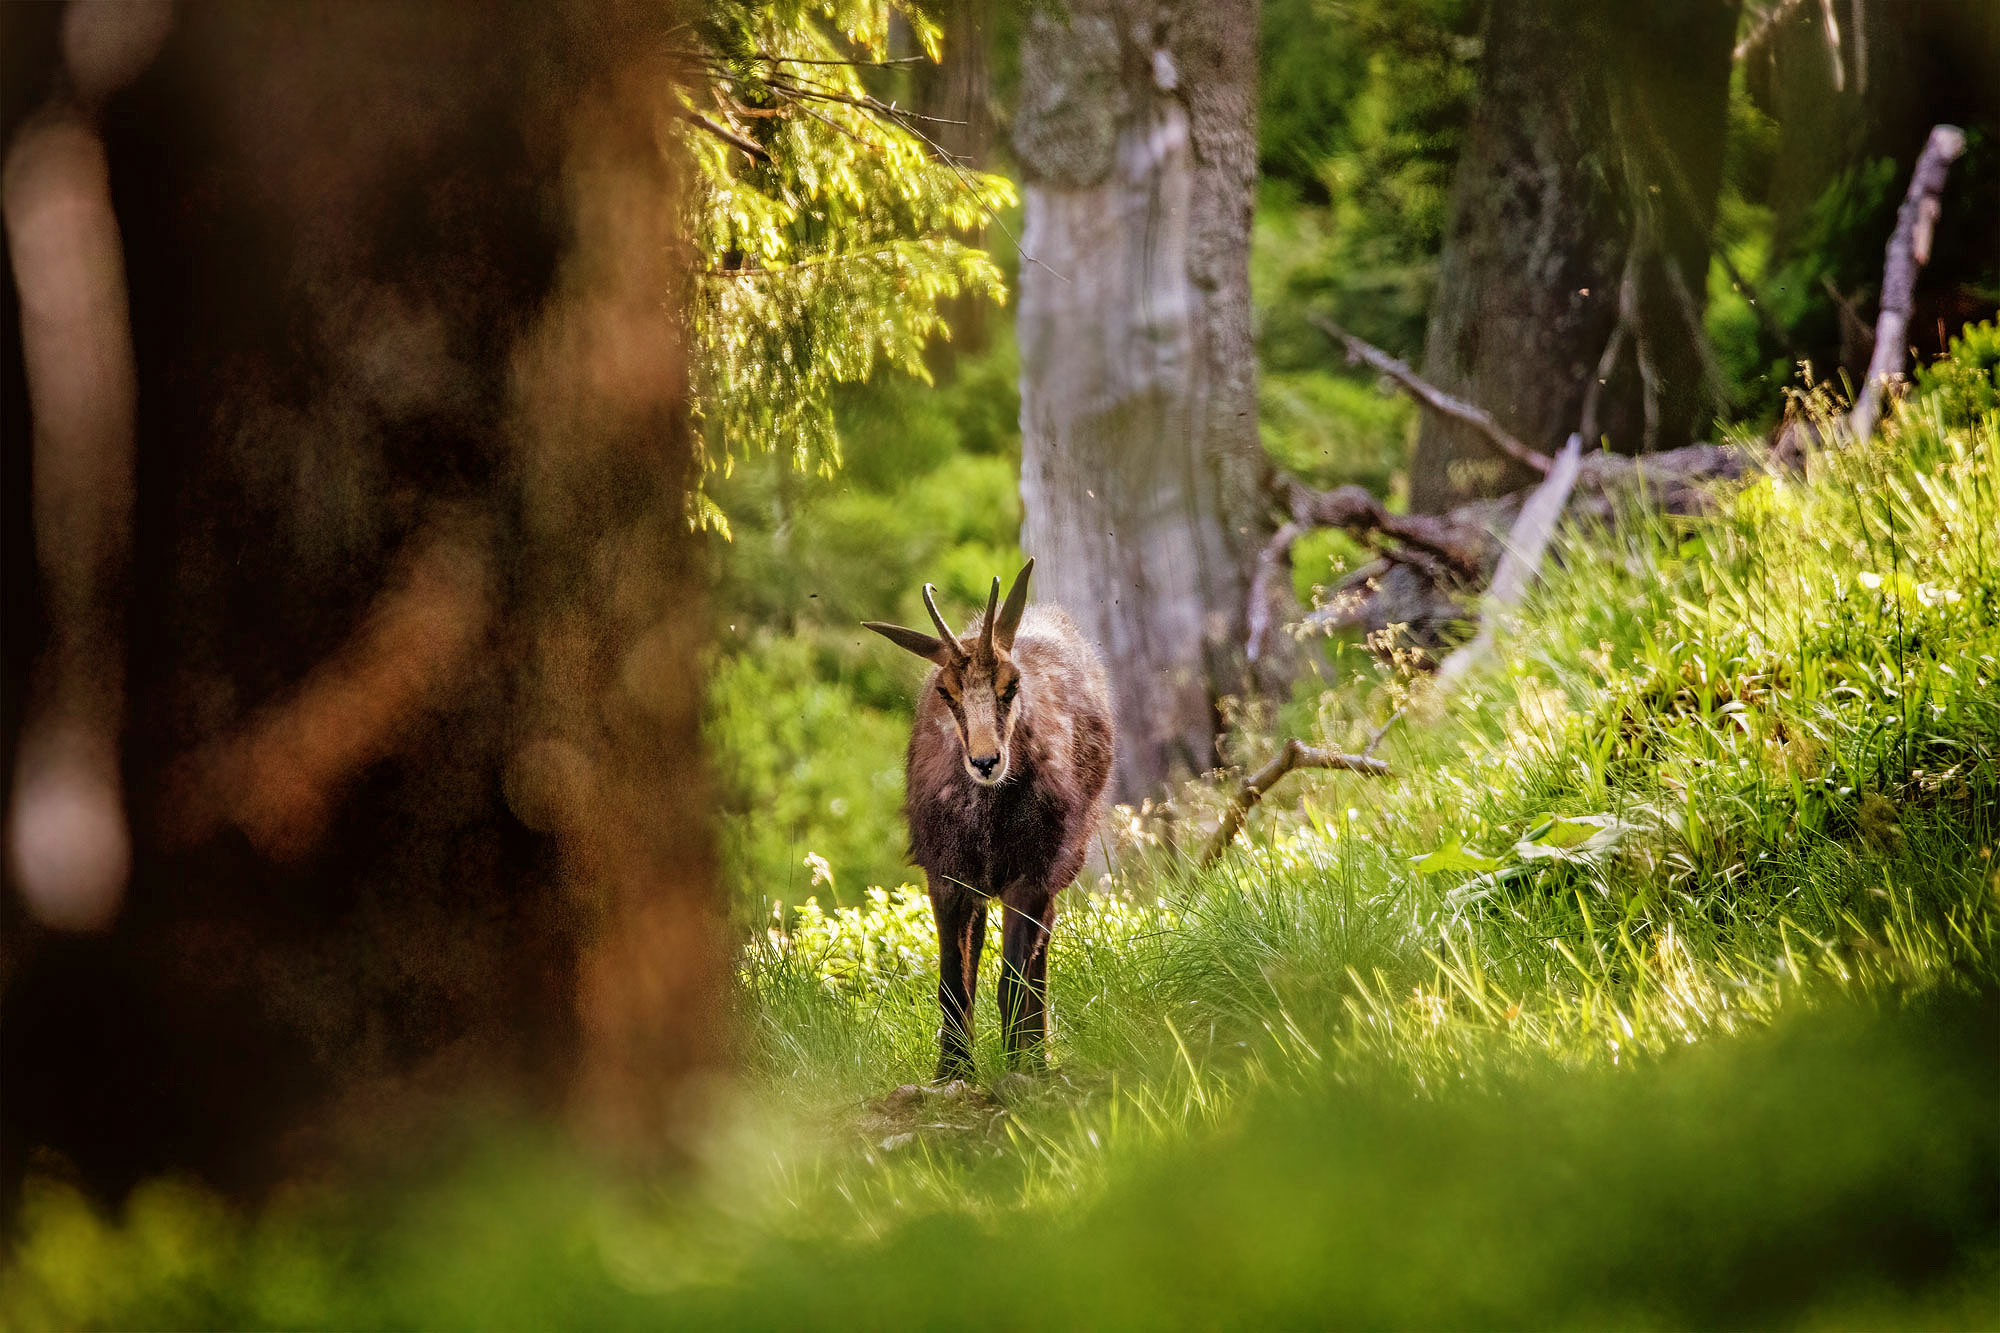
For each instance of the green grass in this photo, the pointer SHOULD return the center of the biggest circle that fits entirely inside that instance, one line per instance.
(1783, 721)
(1657, 988)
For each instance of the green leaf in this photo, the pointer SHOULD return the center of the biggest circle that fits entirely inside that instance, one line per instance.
(1572, 837)
(1454, 856)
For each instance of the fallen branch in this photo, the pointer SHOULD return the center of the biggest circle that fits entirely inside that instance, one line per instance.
(1425, 599)
(1909, 249)
(1294, 754)
(1526, 544)
(1428, 394)
(1446, 551)
(1429, 564)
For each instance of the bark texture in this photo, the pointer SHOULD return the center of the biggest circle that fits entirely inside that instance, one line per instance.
(1851, 82)
(955, 99)
(412, 645)
(1141, 472)
(1583, 203)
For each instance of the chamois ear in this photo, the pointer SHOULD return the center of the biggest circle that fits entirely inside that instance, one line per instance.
(1010, 614)
(923, 645)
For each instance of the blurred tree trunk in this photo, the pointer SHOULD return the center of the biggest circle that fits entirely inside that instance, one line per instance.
(417, 799)
(1141, 472)
(1858, 82)
(955, 99)
(1596, 142)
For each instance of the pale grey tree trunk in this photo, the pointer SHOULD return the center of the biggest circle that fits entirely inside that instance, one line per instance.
(1141, 473)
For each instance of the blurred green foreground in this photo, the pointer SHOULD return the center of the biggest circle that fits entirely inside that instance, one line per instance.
(1843, 1171)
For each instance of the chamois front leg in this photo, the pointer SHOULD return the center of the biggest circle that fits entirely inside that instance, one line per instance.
(961, 927)
(1030, 913)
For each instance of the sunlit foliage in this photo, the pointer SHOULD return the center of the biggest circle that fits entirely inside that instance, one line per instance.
(827, 227)
(1722, 768)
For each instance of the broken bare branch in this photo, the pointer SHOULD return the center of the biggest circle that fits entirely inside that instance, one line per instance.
(1294, 754)
(1527, 543)
(1275, 556)
(1909, 249)
(1427, 597)
(1430, 396)
(1446, 551)
(1375, 736)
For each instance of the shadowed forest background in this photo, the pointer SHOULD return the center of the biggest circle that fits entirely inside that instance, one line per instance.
(456, 870)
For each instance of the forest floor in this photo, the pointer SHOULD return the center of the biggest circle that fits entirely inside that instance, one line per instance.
(1656, 987)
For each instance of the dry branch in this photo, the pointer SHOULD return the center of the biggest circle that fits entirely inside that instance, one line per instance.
(1429, 598)
(1527, 542)
(747, 145)
(1445, 550)
(1294, 754)
(1909, 249)
(1436, 399)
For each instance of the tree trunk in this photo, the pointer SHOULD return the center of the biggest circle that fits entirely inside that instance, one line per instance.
(1583, 203)
(956, 97)
(1866, 86)
(411, 739)
(1141, 472)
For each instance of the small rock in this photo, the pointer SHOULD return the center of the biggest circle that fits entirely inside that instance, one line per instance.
(1012, 1087)
(895, 1141)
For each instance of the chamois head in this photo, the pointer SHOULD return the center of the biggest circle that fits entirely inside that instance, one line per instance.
(977, 680)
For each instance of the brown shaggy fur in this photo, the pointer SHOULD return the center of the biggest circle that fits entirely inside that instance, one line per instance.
(1020, 839)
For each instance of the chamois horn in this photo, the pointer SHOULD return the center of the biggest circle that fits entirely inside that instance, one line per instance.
(945, 635)
(1017, 602)
(986, 626)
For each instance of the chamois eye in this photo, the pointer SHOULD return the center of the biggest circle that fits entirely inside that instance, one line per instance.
(1013, 688)
(944, 694)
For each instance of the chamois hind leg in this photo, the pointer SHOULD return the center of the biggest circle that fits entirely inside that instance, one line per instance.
(961, 927)
(1030, 911)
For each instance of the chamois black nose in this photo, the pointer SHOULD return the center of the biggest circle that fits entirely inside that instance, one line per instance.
(986, 765)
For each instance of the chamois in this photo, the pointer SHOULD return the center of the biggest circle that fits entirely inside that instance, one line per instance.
(1008, 760)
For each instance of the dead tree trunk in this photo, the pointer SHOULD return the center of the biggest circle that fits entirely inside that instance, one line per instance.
(1582, 205)
(1141, 471)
